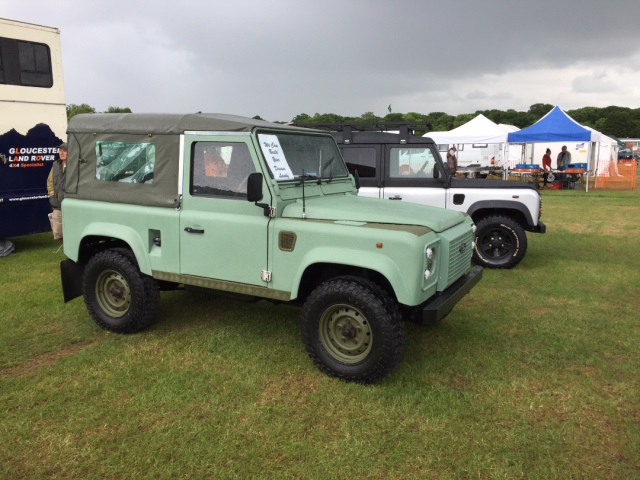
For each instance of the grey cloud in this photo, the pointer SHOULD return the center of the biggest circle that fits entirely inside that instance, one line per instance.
(502, 96)
(280, 58)
(593, 83)
(477, 95)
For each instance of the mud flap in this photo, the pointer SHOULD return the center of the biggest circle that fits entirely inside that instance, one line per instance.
(71, 276)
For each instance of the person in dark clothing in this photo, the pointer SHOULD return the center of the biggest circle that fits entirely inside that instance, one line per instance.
(564, 159)
(55, 188)
(546, 165)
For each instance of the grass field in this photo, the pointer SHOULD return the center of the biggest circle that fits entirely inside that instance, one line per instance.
(535, 374)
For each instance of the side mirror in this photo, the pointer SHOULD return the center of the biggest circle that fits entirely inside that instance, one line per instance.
(445, 173)
(356, 177)
(254, 187)
(436, 171)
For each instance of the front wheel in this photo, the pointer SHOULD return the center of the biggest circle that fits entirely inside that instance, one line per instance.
(352, 329)
(500, 242)
(119, 297)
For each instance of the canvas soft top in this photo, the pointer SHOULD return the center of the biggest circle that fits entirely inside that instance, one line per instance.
(167, 123)
(161, 129)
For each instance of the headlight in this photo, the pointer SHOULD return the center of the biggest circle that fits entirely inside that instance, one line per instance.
(474, 228)
(427, 274)
(429, 253)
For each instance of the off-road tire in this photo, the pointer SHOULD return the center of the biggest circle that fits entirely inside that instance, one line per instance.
(382, 314)
(506, 228)
(144, 291)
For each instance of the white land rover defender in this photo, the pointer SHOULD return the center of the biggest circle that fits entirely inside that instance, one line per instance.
(403, 167)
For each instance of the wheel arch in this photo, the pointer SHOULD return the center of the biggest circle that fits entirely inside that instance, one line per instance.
(325, 263)
(101, 236)
(515, 210)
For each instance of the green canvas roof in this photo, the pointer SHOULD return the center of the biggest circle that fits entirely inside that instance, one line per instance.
(167, 123)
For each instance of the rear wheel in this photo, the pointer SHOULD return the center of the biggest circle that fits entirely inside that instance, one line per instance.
(500, 242)
(352, 329)
(119, 297)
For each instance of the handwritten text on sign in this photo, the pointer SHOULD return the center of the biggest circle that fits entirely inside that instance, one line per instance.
(272, 151)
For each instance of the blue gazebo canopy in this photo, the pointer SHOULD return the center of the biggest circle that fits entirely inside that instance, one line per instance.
(555, 126)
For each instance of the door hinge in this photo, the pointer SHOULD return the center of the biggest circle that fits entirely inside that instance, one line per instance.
(266, 276)
(272, 214)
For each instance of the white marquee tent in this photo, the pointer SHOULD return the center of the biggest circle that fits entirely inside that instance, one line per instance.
(479, 130)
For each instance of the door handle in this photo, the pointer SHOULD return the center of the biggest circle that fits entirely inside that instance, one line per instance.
(193, 230)
(395, 198)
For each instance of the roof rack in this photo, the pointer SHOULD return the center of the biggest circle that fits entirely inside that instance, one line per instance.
(404, 128)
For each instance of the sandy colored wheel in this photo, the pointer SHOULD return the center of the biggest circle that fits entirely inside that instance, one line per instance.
(113, 293)
(345, 333)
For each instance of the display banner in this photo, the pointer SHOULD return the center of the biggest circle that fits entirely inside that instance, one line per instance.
(272, 151)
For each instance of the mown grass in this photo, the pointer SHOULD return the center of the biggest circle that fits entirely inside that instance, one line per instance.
(534, 375)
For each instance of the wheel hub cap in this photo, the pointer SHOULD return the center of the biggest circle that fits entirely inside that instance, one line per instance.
(345, 334)
(113, 293)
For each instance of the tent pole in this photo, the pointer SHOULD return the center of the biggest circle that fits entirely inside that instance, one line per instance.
(505, 161)
(595, 173)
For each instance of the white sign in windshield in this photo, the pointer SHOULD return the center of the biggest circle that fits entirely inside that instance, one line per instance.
(274, 155)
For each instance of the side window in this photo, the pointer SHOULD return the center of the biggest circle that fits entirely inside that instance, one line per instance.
(362, 159)
(125, 162)
(220, 169)
(411, 163)
(35, 67)
(1, 70)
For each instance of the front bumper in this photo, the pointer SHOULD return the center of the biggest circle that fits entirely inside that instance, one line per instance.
(438, 306)
(540, 228)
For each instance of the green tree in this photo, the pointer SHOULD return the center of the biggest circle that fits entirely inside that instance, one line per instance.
(118, 110)
(413, 117)
(258, 117)
(620, 124)
(393, 117)
(302, 118)
(368, 117)
(539, 110)
(462, 119)
(73, 109)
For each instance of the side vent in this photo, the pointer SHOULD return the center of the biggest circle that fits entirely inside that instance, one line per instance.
(287, 241)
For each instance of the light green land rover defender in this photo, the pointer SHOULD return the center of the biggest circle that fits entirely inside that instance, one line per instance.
(249, 209)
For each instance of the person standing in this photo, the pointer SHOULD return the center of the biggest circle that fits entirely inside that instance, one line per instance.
(55, 188)
(546, 165)
(564, 159)
(452, 161)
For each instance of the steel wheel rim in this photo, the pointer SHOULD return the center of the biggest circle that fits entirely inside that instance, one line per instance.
(345, 334)
(497, 244)
(113, 293)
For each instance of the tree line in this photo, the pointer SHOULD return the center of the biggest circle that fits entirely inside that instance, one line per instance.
(621, 122)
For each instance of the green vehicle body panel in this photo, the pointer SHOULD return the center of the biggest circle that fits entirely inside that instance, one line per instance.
(133, 224)
(367, 209)
(239, 241)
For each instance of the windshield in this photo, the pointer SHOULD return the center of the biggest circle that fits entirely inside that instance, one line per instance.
(291, 155)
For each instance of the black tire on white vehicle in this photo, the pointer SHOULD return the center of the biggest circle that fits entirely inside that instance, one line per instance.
(500, 242)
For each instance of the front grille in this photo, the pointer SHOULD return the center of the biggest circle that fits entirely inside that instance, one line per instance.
(459, 262)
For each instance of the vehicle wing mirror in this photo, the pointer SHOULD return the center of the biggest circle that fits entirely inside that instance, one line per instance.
(436, 171)
(254, 187)
(356, 177)
(447, 172)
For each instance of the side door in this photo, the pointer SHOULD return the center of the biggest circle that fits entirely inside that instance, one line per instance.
(366, 159)
(410, 175)
(222, 235)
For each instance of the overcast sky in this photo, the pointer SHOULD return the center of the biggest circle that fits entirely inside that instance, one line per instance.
(280, 58)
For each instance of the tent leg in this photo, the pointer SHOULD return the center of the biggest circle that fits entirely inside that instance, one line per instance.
(587, 181)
